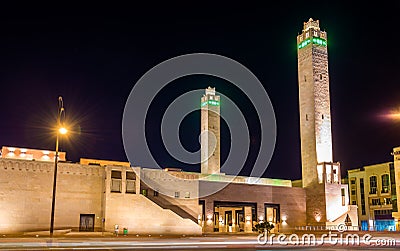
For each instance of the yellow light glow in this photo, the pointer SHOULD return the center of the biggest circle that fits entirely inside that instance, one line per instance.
(62, 130)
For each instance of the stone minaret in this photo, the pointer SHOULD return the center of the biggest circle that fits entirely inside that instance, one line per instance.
(321, 177)
(210, 132)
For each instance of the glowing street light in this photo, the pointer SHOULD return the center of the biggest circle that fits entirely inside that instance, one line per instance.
(61, 130)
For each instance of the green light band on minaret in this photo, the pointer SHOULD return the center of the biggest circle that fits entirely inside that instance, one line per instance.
(314, 40)
(210, 102)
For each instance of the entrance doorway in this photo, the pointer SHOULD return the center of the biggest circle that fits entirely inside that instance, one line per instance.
(86, 223)
(272, 215)
(234, 216)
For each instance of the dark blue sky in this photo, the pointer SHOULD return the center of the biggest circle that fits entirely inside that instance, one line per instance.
(93, 55)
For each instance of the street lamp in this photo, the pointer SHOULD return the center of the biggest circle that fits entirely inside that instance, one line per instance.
(60, 130)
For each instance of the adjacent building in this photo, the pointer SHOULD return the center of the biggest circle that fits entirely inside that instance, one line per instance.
(396, 186)
(373, 190)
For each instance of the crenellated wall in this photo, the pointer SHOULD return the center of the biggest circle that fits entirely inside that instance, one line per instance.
(26, 190)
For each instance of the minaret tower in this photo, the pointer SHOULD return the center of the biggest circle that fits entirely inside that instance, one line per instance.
(321, 177)
(210, 132)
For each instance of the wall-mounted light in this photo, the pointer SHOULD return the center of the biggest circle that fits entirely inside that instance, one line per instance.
(23, 153)
(11, 151)
(46, 155)
(284, 219)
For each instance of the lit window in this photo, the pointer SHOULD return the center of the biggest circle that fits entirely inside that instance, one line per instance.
(372, 184)
(177, 194)
(187, 195)
(385, 183)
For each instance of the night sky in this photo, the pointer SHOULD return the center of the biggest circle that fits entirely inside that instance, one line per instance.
(93, 55)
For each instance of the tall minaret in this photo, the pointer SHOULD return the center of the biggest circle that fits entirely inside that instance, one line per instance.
(210, 132)
(321, 177)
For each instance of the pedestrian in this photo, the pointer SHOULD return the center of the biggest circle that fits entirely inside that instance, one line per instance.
(116, 230)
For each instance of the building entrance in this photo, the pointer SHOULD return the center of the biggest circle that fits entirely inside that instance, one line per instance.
(234, 217)
(86, 223)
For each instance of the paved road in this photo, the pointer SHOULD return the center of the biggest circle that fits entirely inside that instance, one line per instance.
(175, 243)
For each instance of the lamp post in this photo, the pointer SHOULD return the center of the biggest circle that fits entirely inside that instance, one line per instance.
(60, 130)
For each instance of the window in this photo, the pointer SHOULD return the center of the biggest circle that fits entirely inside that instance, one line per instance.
(387, 201)
(307, 35)
(130, 182)
(372, 184)
(305, 78)
(322, 116)
(306, 117)
(353, 181)
(144, 192)
(116, 181)
(155, 194)
(353, 192)
(177, 194)
(354, 202)
(320, 76)
(187, 195)
(385, 183)
(362, 196)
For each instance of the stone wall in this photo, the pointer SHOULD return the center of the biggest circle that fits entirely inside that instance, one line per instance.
(26, 191)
